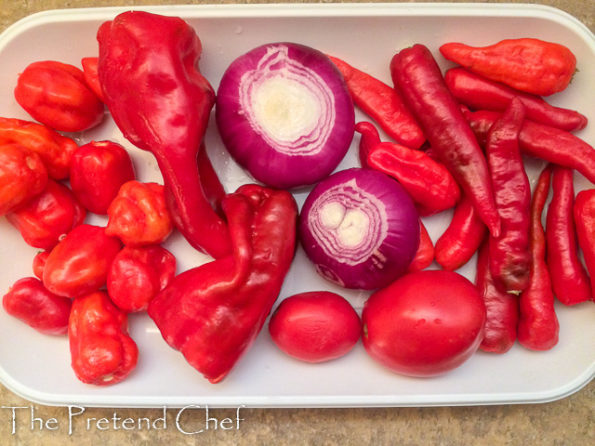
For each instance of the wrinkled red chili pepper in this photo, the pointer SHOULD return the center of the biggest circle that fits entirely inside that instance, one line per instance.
(425, 251)
(22, 176)
(136, 275)
(79, 263)
(509, 252)
(417, 76)
(481, 93)
(49, 216)
(91, 77)
(28, 300)
(39, 262)
(54, 149)
(502, 309)
(531, 65)
(212, 187)
(98, 170)
(538, 324)
(541, 141)
(56, 94)
(213, 313)
(584, 218)
(429, 183)
(101, 349)
(570, 281)
(462, 237)
(161, 103)
(383, 104)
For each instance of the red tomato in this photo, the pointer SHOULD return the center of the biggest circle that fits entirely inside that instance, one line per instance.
(425, 323)
(97, 171)
(315, 327)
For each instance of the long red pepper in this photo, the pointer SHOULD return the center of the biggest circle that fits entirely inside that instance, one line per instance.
(509, 252)
(502, 309)
(481, 93)
(570, 281)
(584, 218)
(383, 104)
(418, 78)
(538, 324)
(425, 251)
(541, 141)
(211, 185)
(462, 237)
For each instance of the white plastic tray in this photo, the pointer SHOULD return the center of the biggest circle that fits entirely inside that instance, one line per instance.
(38, 367)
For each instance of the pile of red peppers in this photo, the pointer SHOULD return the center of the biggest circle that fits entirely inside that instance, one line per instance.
(459, 143)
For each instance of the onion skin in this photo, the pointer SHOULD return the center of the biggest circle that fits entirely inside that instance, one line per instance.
(354, 258)
(288, 156)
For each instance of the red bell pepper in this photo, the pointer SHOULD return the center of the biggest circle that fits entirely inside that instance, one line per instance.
(584, 217)
(213, 313)
(161, 103)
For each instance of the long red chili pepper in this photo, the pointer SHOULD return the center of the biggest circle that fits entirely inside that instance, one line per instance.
(502, 309)
(462, 237)
(541, 141)
(538, 324)
(383, 104)
(584, 218)
(417, 76)
(509, 253)
(570, 281)
(481, 93)
(211, 185)
(425, 251)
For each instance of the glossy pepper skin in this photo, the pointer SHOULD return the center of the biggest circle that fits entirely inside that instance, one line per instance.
(56, 94)
(39, 262)
(161, 103)
(480, 93)
(48, 217)
(538, 325)
(425, 251)
(213, 313)
(570, 281)
(428, 182)
(138, 215)
(584, 217)
(509, 253)
(417, 76)
(383, 104)
(102, 352)
(502, 309)
(542, 141)
(28, 300)
(91, 77)
(462, 238)
(531, 65)
(54, 149)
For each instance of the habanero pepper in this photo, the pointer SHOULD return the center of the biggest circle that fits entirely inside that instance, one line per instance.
(538, 324)
(531, 65)
(570, 281)
(213, 313)
(383, 104)
(584, 218)
(509, 252)
(541, 141)
(418, 78)
(480, 93)
(161, 103)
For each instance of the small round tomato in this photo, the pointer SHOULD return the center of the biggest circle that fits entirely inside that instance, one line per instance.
(315, 327)
(425, 323)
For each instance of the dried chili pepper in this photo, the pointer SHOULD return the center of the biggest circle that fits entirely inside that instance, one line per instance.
(213, 313)
(462, 237)
(502, 309)
(570, 281)
(541, 141)
(383, 104)
(509, 252)
(101, 349)
(531, 65)
(584, 218)
(425, 251)
(480, 93)
(538, 324)
(161, 103)
(417, 76)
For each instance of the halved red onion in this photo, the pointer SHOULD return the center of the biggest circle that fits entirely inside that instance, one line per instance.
(284, 114)
(360, 228)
